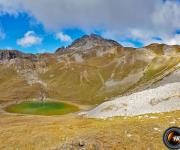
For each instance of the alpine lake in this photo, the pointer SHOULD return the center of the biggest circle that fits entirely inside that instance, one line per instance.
(42, 108)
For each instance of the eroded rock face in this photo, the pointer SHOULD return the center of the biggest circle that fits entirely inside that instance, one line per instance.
(12, 54)
(27, 66)
(88, 42)
(22, 61)
(9, 54)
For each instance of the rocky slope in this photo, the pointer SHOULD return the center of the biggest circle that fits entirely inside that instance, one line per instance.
(12, 54)
(91, 70)
(87, 42)
(161, 99)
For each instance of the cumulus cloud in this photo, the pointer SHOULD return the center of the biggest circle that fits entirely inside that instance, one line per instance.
(166, 17)
(63, 37)
(29, 39)
(89, 14)
(141, 19)
(175, 40)
(145, 37)
(10, 7)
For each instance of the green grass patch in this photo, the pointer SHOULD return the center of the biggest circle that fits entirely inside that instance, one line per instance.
(42, 108)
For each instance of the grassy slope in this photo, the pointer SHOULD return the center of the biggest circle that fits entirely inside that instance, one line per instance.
(14, 87)
(36, 132)
(85, 82)
(154, 72)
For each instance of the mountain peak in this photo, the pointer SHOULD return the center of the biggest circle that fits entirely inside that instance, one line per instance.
(91, 41)
(93, 36)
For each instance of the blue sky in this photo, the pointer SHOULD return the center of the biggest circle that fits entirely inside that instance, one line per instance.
(15, 27)
(44, 26)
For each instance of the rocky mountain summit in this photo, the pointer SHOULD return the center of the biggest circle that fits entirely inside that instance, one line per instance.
(88, 42)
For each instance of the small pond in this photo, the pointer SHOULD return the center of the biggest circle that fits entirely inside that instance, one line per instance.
(42, 108)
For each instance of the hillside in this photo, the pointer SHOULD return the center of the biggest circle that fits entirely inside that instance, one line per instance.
(102, 79)
(89, 71)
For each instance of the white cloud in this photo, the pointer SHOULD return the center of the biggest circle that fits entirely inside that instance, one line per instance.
(29, 39)
(166, 17)
(127, 44)
(63, 37)
(175, 40)
(86, 14)
(11, 7)
(138, 19)
(146, 37)
(138, 34)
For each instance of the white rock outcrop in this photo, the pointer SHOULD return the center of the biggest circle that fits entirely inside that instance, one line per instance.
(161, 99)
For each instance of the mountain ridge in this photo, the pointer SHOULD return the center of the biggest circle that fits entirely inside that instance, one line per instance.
(85, 74)
(80, 43)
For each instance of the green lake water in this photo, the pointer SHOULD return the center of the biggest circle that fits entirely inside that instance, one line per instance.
(42, 108)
